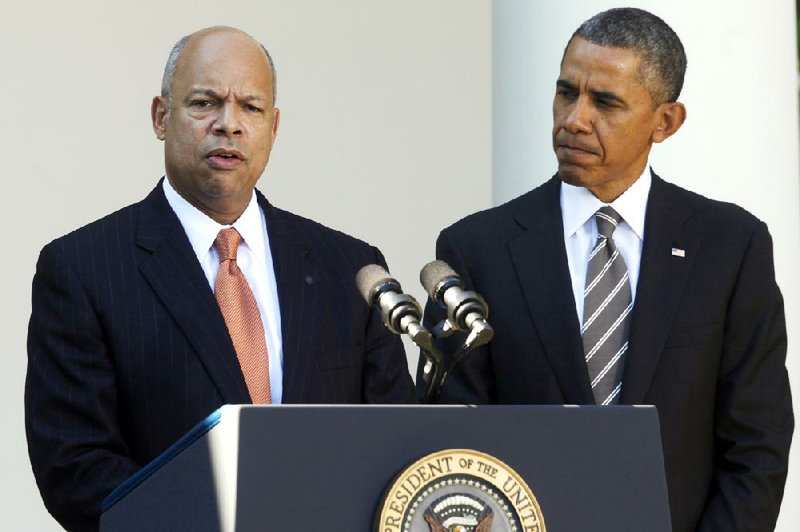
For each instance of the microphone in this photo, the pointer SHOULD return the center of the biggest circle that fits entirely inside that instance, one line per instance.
(401, 312)
(466, 310)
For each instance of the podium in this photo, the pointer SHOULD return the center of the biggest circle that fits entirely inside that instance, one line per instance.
(298, 468)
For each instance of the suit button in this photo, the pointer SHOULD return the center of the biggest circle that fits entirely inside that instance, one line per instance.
(309, 280)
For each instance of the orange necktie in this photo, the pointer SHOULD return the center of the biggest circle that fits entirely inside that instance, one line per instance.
(240, 310)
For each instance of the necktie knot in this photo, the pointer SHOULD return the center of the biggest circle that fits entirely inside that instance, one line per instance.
(227, 244)
(607, 221)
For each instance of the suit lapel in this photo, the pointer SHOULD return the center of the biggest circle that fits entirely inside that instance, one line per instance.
(540, 261)
(662, 278)
(295, 276)
(173, 272)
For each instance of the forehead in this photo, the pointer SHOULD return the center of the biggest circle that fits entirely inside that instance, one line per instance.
(223, 60)
(600, 67)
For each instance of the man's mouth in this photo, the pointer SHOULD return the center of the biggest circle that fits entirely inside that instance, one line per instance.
(575, 150)
(224, 159)
(574, 146)
(226, 153)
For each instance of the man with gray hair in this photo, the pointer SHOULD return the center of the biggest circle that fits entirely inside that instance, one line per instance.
(202, 294)
(609, 285)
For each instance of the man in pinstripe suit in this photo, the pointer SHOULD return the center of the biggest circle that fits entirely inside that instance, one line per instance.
(127, 346)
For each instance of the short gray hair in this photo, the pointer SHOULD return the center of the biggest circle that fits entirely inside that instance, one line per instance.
(172, 65)
(663, 58)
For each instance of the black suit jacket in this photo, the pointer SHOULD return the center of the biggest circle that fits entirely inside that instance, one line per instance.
(128, 348)
(707, 343)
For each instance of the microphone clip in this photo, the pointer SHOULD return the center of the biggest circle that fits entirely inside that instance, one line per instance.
(466, 311)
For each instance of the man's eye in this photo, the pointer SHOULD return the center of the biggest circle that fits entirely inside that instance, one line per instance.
(201, 104)
(253, 108)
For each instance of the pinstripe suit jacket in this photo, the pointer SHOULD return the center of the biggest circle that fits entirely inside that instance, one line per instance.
(127, 348)
(707, 344)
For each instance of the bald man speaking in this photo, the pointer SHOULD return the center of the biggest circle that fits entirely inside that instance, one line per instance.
(200, 295)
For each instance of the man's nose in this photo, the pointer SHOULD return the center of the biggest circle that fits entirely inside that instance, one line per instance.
(228, 121)
(580, 117)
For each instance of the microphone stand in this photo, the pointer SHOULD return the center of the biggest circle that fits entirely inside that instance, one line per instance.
(434, 373)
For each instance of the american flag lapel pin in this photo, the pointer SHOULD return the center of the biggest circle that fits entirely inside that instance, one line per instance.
(678, 252)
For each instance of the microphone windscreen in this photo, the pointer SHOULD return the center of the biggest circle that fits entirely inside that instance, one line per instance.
(434, 273)
(369, 277)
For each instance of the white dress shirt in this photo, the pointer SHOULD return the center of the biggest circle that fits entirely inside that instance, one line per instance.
(254, 259)
(578, 206)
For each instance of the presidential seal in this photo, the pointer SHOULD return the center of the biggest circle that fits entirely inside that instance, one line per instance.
(459, 490)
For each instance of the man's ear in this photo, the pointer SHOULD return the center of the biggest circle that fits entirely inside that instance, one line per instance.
(158, 113)
(276, 121)
(671, 116)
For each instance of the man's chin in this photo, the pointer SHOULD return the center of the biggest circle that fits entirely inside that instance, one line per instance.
(572, 175)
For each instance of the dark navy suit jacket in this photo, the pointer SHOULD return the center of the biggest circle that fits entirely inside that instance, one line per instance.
(707, 343)
(128, 348)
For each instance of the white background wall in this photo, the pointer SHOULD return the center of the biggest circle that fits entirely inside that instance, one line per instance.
(386, 107)
(739, 143)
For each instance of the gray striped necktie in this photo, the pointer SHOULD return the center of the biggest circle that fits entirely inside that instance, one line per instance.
(607, 306)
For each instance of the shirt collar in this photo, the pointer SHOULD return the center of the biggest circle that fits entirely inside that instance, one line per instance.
(578, 205)
(202, 230)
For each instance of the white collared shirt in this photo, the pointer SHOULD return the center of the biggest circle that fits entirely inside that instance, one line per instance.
(254, 258)
(578, 206)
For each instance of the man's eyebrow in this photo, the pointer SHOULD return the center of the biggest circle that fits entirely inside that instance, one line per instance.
(606, 96)
(563, 84)
(253, 98)
(202, 92)
(214, 94)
